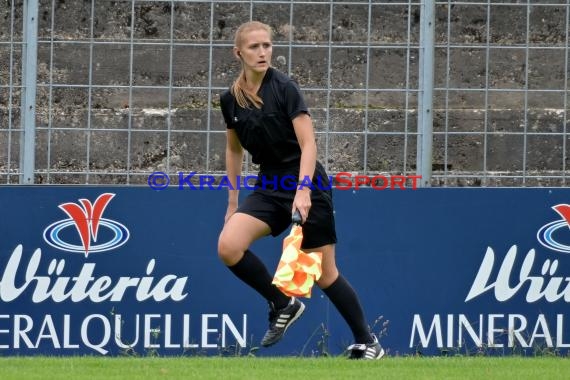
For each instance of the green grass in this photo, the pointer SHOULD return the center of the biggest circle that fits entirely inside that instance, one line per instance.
(219, 368)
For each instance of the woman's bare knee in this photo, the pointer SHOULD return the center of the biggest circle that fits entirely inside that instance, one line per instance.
(239, 232)
(327, 279)
(329, 269)
(228, 251)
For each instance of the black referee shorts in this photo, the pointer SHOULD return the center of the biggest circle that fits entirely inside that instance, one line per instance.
(273, 206)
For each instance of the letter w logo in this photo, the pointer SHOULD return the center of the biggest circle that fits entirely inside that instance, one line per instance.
(86, 217)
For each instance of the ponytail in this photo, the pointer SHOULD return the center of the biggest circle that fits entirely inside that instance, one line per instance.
(243, 97)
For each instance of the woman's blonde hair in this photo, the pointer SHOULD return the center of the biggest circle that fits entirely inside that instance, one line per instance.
(243, 97)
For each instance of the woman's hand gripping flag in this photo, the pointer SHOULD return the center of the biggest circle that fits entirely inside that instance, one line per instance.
(297, 270)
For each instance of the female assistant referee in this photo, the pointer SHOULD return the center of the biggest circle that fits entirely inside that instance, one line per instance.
(265, 113)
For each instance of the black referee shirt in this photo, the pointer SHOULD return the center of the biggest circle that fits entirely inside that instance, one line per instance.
(267, 133)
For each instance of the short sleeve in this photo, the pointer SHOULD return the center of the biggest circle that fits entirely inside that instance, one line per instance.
(294, 101)
(226, 103)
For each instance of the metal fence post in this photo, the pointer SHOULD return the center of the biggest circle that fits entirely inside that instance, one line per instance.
(425, 94)
(29, 75)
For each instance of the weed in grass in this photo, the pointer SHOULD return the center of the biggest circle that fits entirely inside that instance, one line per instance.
(323, 343)
(125, 349)
(236, 350)
(151, 350)
(193, 350)
(324, 332)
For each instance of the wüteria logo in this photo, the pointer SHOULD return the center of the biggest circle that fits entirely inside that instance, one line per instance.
(554, 234)
(87, 220)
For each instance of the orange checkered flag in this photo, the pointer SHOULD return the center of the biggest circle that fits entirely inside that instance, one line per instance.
(297, 270)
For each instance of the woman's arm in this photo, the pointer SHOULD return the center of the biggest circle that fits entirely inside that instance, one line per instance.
(303, 126)
(234, 159)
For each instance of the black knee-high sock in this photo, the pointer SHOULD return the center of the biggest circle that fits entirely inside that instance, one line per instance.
(251, 270)
(343, 296)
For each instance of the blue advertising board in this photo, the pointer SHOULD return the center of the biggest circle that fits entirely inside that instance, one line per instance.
(128, 270)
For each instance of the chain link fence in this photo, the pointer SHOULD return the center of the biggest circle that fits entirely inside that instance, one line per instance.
(107, 92)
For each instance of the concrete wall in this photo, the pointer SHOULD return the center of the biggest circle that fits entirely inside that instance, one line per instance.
(115, 150)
